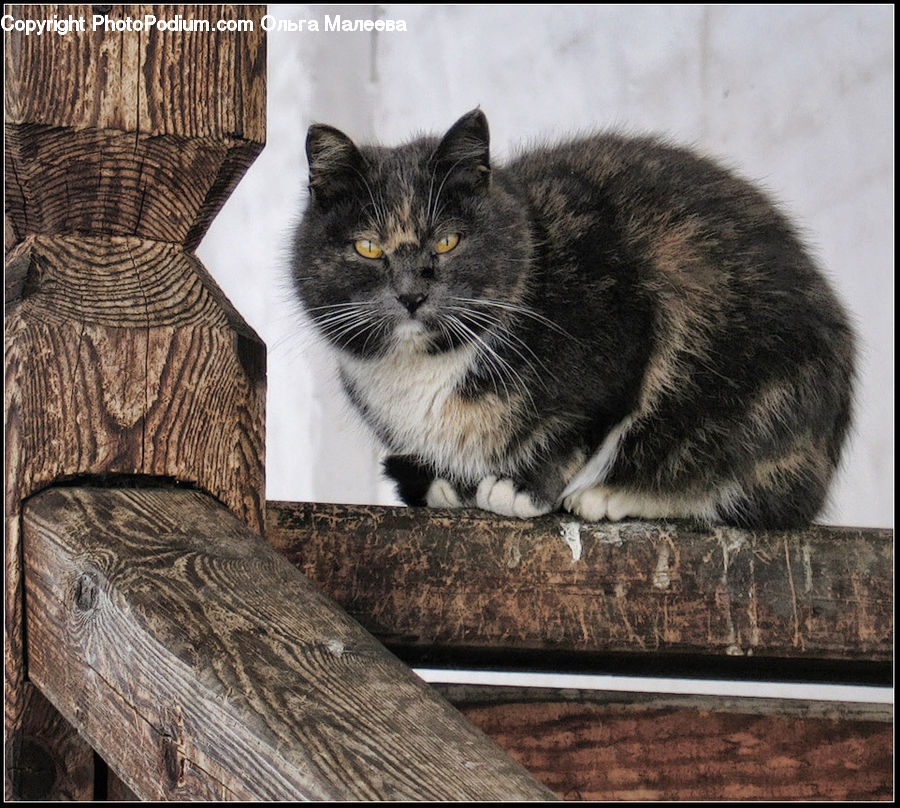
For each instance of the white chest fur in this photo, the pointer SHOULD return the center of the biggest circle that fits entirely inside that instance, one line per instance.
(412, 397)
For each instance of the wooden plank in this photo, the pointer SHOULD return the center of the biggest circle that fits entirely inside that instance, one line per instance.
(122, 355)
(619, 746)
(470, 580)
(201, 665)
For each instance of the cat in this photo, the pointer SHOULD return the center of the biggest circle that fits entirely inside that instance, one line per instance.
(613, 326)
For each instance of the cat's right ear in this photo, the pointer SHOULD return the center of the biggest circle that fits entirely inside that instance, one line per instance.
(335, 164)
(464, 153)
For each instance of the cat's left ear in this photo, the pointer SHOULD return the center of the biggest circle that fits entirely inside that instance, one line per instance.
(464, 153)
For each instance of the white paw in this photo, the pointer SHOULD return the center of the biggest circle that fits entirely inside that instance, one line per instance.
(590, 504)
(441, 494)
(622, 504)
(600, 502)
(501, 496)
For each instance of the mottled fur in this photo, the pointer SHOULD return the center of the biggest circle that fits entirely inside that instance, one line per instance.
(623, 329)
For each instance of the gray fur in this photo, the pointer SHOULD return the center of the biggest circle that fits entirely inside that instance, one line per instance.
(623, 329)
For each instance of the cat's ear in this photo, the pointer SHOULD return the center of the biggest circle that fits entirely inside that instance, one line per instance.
(335, 164)
(464, 153)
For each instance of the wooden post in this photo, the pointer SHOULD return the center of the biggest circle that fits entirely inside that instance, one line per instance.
(123, 357)
(202, 665)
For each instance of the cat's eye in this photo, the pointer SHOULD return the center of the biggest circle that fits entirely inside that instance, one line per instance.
(368, 248)
(447, 243)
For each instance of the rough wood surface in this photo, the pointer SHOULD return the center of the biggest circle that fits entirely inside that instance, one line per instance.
(122, 355)
(615, 746)
(117, 791)
(123, 358)
(468, 579)
(201, 664)
(137, 133)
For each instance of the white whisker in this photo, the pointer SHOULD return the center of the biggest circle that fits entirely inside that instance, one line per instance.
(507, 338)
(518, 308)
(496, 365)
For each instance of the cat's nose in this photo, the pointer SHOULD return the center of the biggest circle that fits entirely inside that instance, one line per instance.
(412, 301)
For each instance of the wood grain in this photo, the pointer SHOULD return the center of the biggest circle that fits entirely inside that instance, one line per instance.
(122, 356)
(468, 579)
(201, 665)
(192, 84)
(161, 187)
(136, 133)
(619, 746)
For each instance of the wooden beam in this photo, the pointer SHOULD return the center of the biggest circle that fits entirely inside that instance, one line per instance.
(122, 355)
(469, 580)
(131, 133)
(202, 665)
(627, 746)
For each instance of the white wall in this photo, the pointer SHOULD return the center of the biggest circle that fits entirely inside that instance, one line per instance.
(798, 97)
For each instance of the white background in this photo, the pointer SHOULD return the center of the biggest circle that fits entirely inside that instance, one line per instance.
(799, 98)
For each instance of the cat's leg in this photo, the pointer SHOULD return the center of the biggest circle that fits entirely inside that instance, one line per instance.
(413, 479)
(417, 485)
(536, 492)
(590, 503)
(780, 494)
(503, 496)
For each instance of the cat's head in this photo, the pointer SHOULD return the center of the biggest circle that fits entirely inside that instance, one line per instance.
(416, 247)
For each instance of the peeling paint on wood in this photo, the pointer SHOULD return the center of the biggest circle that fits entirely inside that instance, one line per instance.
(424, 577)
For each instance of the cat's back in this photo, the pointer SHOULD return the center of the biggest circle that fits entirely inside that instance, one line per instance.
(638, 178)
(680, 222)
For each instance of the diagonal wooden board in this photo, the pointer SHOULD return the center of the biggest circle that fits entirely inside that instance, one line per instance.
(201, 665)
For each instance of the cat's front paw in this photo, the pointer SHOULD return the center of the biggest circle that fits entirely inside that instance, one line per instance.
(599, 502)
(501, 496)
(441, 494)
(590, 504)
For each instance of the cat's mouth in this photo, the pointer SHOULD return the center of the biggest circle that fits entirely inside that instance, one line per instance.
(410, 328)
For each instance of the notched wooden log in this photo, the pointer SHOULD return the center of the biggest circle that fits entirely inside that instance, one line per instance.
(468, 579)
(102, 136)
(201, 665)
(124, 357)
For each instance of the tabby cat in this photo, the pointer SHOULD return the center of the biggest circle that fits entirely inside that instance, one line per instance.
(613, 326)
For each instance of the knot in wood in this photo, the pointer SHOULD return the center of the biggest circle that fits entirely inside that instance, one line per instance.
(86, 587)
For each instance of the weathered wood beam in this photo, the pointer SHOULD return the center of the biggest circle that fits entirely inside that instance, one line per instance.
(202, 665)
(131, 133)
(627, 746)
(122, 356)
(423, 578)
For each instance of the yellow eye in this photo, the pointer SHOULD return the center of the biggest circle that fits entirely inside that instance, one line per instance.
(447, 243)
(367, 248)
